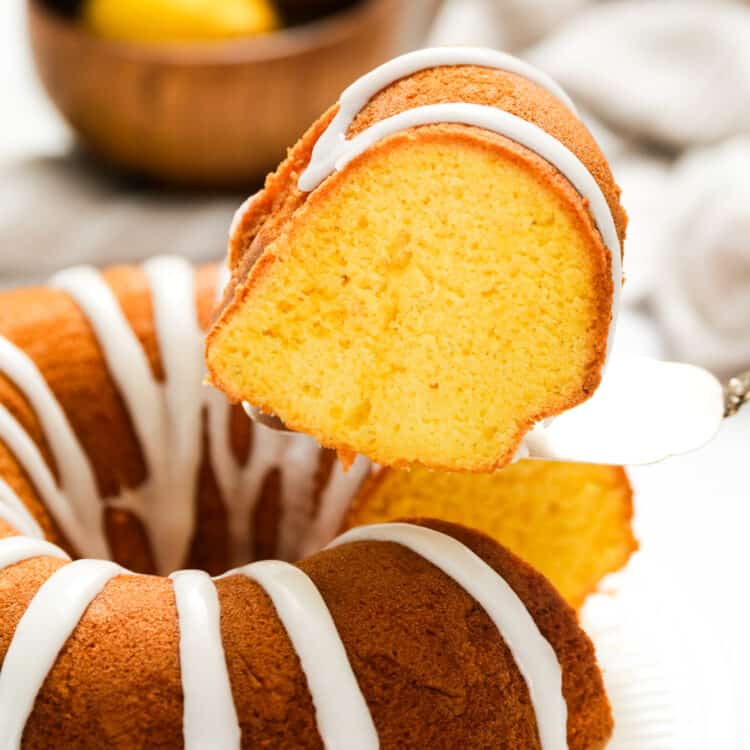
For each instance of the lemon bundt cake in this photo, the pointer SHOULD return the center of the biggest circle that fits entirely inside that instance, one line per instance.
(111, 449)
(572, 522)
(434, 268)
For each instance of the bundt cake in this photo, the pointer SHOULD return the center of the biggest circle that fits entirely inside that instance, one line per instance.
(111, 449)
(433, 269)
(572, 522)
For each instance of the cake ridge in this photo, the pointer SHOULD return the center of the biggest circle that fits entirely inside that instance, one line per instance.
(55, 610)
(532, 652)
(342, 715)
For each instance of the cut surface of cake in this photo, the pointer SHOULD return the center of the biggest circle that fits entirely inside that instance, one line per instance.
(433, 270)
(572, 522)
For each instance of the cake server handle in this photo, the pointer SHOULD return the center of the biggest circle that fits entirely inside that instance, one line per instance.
(736, 393)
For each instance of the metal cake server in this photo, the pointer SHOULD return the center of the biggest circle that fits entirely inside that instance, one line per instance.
(644, 411)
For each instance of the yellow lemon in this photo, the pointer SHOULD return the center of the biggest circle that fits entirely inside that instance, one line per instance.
(179, 20)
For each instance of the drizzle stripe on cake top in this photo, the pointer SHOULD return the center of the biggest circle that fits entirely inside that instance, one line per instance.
(29, 457)
(354, 98)
(43, 630)
(534, 656)
(76, 475)
(16, 549)
(210, 716)
(15, 513)
(342, 714)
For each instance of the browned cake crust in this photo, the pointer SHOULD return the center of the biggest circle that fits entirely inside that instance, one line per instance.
(429, 661)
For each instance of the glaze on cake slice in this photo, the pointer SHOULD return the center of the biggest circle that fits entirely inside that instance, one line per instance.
(434, 268)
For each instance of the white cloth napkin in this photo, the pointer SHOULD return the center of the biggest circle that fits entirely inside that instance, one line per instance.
(703, 290)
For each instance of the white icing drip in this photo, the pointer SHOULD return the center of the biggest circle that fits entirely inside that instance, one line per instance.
(534, 656)
(298, 470)
(30, 458)
(334, 502)
(210, 716)
(16, 549)
(223, 278)
(15, 513)
(239, 214)
(43, 630)
(354, 98)
(295, 456)
(343, 717)
(266, 454)
(129, 367)
(78, 483)
(181, 342)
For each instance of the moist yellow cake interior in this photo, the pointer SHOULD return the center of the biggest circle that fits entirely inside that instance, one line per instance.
(569, 521)
(429, 305)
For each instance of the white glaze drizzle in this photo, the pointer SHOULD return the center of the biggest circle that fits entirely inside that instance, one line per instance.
(180, 339)
(144, 398)
(333, 150)
(343, 717)
(356, 96)
(43, 630)
(30, 458)
(241, 485)
(334, 503)
(15, 513)
(534, 656)
(210, 717)
(77, 480)
(300, 466)
(16, 549)
(239, 214)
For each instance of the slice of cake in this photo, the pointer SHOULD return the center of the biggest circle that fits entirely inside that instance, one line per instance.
(433, 269)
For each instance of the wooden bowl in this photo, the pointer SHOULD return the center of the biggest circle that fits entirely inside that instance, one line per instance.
(215, 114)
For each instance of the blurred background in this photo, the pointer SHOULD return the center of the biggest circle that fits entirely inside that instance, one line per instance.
(173, 110)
